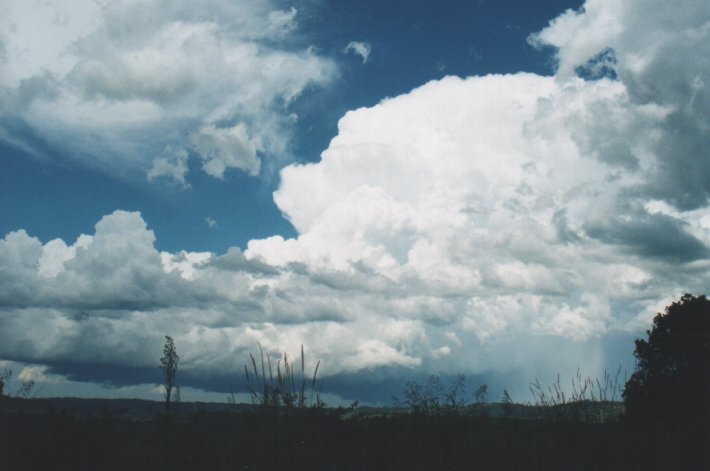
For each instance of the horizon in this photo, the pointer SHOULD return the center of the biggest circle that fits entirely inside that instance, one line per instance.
(509, 190)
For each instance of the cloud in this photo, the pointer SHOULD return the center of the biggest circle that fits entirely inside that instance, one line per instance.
(227, 148)
(359, 48)
(515, 224)
(651, 236)
(134, 87)
(172, 164)
(186, 263)
(283, 21)
(469, 190)
(211, 222)
(37, 374)
(439, 204)
(659, 55)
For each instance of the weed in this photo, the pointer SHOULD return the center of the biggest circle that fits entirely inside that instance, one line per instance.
(432, 399)
(283, 390)
(589, 400)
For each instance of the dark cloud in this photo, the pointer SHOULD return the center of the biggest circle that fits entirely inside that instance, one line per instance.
(42, 86)
(565, 234)
(359, 277)
(656, 236)
(683, 175)
(110, 375)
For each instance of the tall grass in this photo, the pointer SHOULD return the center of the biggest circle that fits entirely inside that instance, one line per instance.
(589, 400)
(285, 388)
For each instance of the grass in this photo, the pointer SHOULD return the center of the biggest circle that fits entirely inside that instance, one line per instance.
(589, 400)
(285, 389)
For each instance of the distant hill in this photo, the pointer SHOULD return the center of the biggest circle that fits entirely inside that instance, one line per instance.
(141, 409)
(129, 408)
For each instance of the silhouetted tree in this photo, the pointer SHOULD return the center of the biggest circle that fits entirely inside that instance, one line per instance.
(25, 387)
(454, 397)
(169, 365)
(672, 377)
(4, 377)
(481, 394)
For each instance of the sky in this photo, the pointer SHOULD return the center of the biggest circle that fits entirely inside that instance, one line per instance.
(509, 190)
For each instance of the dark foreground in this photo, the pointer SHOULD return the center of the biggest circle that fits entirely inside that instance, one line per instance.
(53, 438)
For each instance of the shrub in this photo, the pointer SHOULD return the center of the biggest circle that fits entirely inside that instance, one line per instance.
(432, 399)
(672, 377)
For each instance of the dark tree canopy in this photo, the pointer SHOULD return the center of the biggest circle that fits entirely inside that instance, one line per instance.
(672, 377)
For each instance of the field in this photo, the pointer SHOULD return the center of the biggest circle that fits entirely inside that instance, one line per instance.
(116, 435)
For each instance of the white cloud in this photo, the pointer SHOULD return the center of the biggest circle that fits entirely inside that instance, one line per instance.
(661, 59)
(172, 164)
(55, 253)
(223, 148)
(186, 263)
(474, 189)
(211, 222)
(359, 48)
(37, 374)
(283, 21)
(120, 82)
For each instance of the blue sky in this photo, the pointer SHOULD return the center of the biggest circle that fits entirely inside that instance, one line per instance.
(404, 187)
(413, 42)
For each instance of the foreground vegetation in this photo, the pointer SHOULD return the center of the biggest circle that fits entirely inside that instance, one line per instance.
(35, 434)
